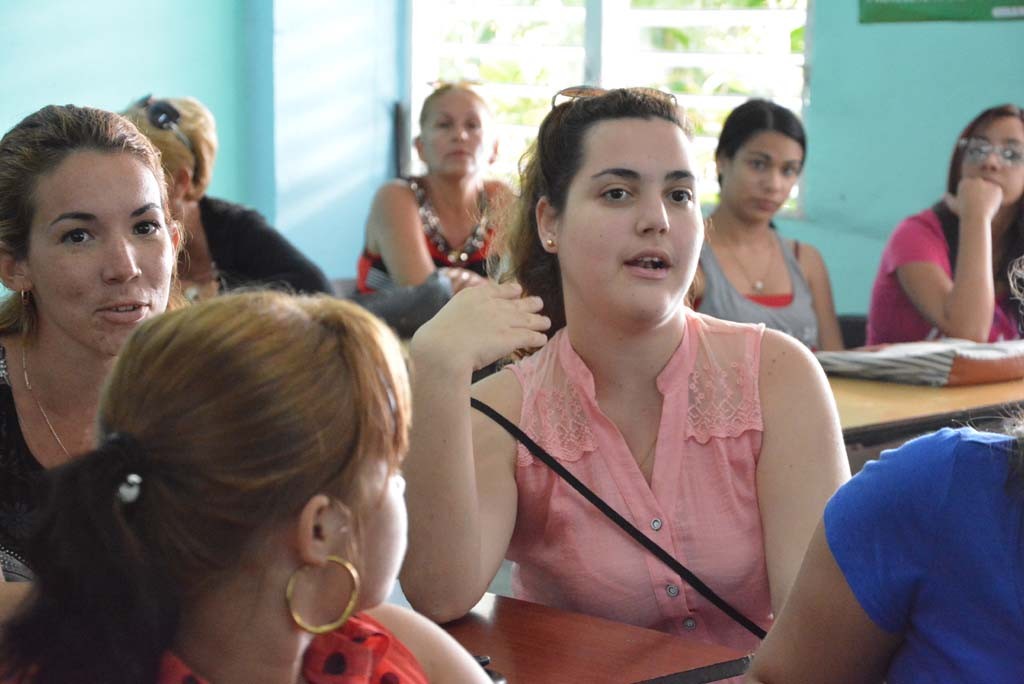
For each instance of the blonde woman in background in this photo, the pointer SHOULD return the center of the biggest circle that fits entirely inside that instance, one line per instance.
(226, 244)
(446, 218)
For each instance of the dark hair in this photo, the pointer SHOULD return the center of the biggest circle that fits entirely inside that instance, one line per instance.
(548, 168)
(950, 222)
(752, 117)
(234, 412)
(986, 117)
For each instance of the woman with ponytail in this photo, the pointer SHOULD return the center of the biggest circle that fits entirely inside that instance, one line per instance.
(242, 518)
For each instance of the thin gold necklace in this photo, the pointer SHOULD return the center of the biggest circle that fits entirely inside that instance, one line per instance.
(756, 284)
(28, 386)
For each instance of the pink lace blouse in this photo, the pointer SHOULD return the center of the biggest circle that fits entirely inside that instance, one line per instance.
(701, 505)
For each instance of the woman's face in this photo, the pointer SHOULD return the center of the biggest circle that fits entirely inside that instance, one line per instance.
(630, 234)
(1006, 132)
(455, 139)
(760, 176)
(100, 252)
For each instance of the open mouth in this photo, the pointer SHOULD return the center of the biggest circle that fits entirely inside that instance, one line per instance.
(126, 308)
(650, 263)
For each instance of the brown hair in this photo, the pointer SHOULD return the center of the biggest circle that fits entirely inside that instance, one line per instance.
(547, 169)
(198, 125)
(950, 222)
(986, 117)
(237, 411)
(35, 147)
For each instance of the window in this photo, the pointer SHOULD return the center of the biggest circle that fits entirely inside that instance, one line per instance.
(713, 54)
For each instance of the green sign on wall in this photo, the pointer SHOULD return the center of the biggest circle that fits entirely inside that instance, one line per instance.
(872, 11)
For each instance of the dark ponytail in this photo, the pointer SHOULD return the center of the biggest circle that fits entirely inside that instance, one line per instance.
(102, 610)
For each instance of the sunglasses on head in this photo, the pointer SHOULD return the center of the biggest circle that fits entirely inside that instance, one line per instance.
(460, 83)
(165, 116)
(582, 92)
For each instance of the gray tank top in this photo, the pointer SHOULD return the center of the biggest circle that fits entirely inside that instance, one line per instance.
(724, 301)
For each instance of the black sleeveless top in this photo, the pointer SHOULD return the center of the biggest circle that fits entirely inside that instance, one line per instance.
(21, 484)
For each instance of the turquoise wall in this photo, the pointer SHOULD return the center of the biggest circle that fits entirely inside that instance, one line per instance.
(302, 93)
(886, 102)
(336, 78)
(107, 53)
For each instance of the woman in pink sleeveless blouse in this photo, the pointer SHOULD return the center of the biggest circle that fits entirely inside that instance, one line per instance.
(719, 441)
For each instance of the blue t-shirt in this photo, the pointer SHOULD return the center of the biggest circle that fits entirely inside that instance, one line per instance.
(929, 540)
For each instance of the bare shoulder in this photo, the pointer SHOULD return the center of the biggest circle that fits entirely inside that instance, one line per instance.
(441, 657)
(811, 261)
(503, 393)
(497, 189)
(396, 194)
(394, 214)
(409, 626)
(787, 366)
(12, 594)
(499, 195)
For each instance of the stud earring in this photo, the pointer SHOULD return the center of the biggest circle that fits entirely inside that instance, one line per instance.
(550, 242)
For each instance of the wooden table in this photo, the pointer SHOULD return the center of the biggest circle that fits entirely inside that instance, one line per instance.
(873, 412)
(533, 644)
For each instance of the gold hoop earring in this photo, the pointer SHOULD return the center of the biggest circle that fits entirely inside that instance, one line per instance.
(349, 608)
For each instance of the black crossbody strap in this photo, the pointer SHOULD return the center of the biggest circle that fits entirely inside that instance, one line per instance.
(628, 527)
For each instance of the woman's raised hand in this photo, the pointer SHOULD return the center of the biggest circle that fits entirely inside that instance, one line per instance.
(481, 325)
(975, 198)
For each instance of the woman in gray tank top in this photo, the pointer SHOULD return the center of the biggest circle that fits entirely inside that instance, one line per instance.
(748, 272)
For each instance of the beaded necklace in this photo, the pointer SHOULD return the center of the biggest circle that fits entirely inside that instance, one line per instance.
(432, 227)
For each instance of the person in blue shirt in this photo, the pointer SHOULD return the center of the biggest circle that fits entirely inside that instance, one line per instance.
(916, 573)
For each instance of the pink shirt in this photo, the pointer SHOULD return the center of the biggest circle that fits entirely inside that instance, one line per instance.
(701, 505)
(892, 316)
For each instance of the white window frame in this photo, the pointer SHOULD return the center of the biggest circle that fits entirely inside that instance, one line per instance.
(606, 60)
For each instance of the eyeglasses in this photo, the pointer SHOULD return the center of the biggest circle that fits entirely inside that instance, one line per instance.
(582, 92)
(165, 116)
(977, 150)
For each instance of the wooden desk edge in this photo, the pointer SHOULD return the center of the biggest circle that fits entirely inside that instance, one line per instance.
(905, 428)
(709, 673)
(732, 663)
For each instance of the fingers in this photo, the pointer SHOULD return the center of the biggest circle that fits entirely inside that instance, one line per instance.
(482, 324)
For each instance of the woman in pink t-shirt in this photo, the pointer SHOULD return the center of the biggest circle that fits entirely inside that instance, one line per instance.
(718, 440)
(944, 270)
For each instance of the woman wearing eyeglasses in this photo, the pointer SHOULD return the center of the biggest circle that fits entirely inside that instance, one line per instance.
(944, 271)
(241, 519)
(226, 244)
(718, 441)
(87, 252)
(446, 218)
